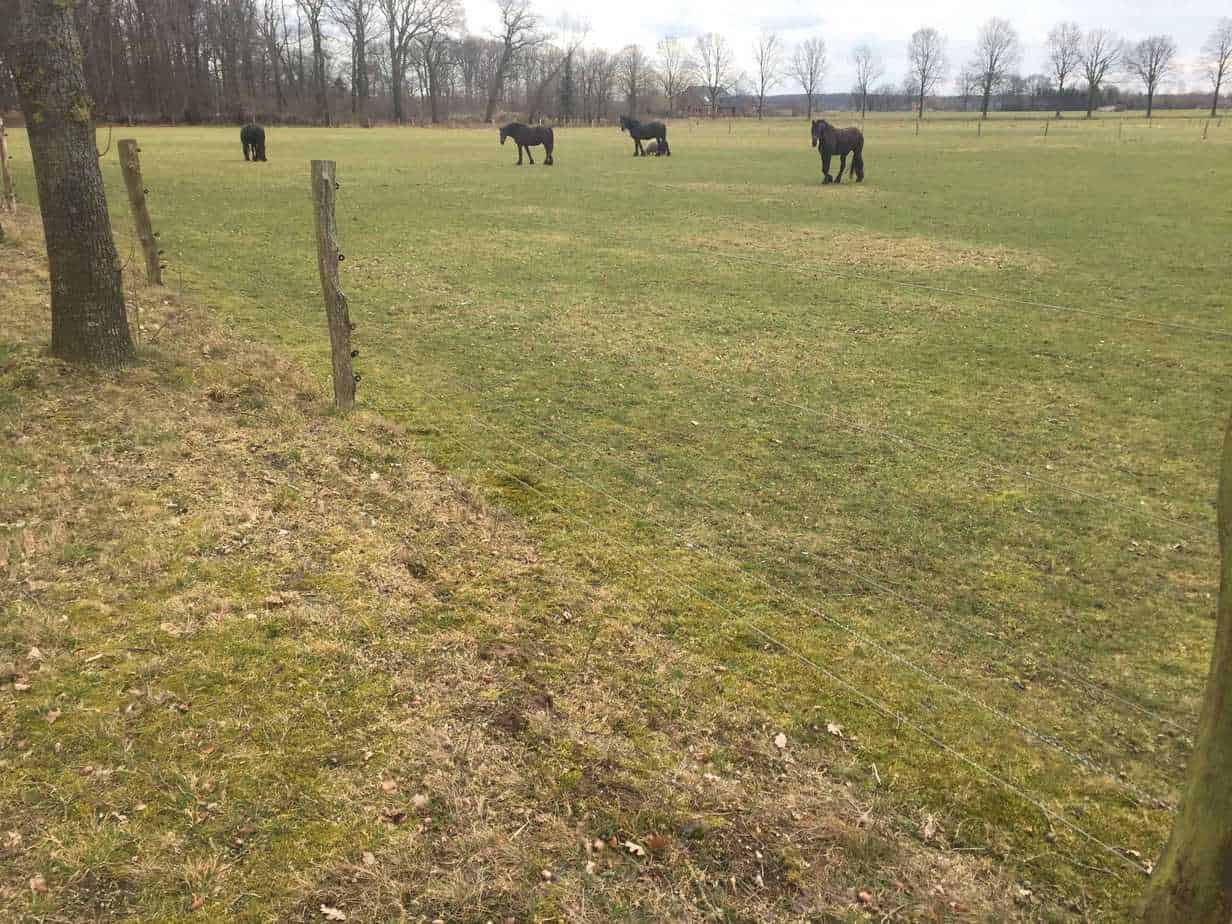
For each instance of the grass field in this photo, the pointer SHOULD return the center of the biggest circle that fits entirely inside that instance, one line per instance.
(930, 459)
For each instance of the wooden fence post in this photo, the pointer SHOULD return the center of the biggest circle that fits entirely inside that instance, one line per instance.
(1046, 124)
(324, 183)
(130, 166)
(1205, 126)
(9, 202)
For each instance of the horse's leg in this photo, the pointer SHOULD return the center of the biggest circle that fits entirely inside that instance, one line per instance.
(825, 167)
(857, 163)
(530, 156)
(519, 144)
(547, 146)
(842, 165)
(664, 146)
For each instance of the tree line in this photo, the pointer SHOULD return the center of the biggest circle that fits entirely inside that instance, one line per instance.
(327, 61)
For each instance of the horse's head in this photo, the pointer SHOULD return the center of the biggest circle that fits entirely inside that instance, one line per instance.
(505, 132)
(819, 127)
(625, 122)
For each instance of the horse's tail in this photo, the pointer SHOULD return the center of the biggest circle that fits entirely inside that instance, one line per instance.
(551, 138)
(857, 162)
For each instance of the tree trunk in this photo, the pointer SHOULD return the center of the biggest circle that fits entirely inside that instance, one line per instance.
(88, 319)
(1215, 98)
(1150, 102)
(498, 83)
(1090, 100)
(920, 115)
(1193, 881)
(984, 101)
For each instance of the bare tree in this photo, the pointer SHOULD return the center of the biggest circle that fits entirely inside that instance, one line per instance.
(1101, 52)
(674, 70)
(1151, 61)
(598, 78)
(1064, 55)
(926, 54)
(314, 13)
(996, 52)
(357, 19)
(868, 72)
(808, 67)
(715, 62)
(1191, 884)
(1218, 52)
(40, 45)
(768, 57)
(406, 21)
(633, 72)
(437, 52)
(519, 31)
(573, 33)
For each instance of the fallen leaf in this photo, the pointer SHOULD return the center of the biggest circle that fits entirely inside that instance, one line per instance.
(929, 830)
(598, 844)
(369, 858)
(38, 884)
(865, 897)
(197, 902)
(389, 785)
(590, 867)
(21, 686)
(420, 801)
(34, 655)
(780, 741)
(636, 849)
(546, 875)
(52, 716)
(656, 842)
(835, 729)
(332, 914)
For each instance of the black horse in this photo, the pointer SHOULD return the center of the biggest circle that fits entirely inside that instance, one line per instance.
(527, 137)
(841, 141)
(252, 137)
(644, 131)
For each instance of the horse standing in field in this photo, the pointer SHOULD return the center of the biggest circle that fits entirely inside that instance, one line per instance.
(644, 131)
(252, 137)
(841, 141)
(527, 137)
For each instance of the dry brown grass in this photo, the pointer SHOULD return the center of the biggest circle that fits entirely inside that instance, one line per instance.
(257, 661)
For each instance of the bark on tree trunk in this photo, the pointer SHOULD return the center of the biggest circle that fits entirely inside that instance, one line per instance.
(88, 320)
(1193, 881)
(497, 85)
(1150, 102)
(1215, 98)
(1090, 101)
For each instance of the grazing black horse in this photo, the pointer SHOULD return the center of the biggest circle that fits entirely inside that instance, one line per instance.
(643, 131)
(527, 137)
(841, 141)
(252, 137)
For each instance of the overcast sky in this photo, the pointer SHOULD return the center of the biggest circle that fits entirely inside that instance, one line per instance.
(886, 25)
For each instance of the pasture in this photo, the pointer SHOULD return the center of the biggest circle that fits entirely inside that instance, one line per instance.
(922, 468)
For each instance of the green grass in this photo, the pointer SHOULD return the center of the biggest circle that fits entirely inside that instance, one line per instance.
(686, 376)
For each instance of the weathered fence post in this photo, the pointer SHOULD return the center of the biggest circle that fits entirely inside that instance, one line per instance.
(1046, 124)
(1205, 126)
(979, 128)
(324, 183)
(130, 166)
(9, 202)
